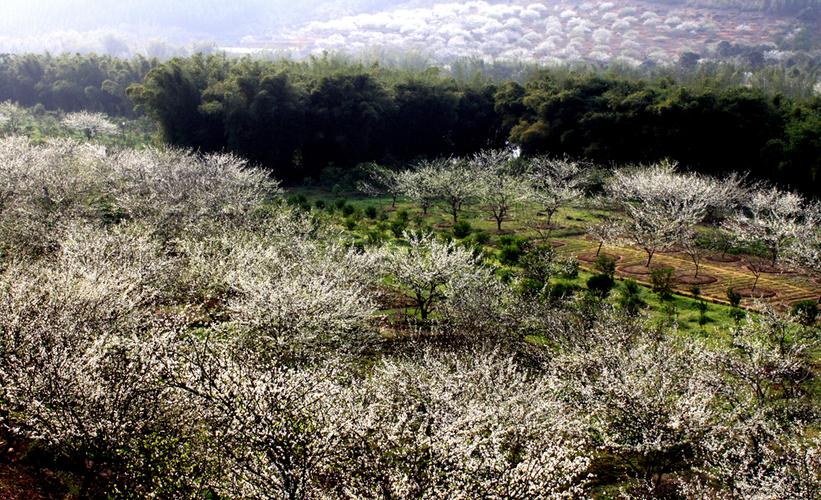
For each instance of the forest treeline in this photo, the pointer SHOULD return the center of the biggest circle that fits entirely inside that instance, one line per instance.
(72, 82)
(299, 117)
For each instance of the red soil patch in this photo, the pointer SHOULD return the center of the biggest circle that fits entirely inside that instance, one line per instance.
(391, 299)
(21, 481)
(591, 257)
(443, 225)
(688, 279)
(768, 269)
(16, 483)
(758, 293)
(723, 258)
(641, 269)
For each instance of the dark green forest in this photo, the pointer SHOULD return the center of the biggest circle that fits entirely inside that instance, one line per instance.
(297, 118)
(72, 82)
(300, 117)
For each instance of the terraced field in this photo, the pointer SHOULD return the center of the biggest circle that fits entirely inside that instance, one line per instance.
(789, 287)
(570, 237)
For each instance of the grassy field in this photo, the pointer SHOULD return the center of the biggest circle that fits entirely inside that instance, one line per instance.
(382, 223)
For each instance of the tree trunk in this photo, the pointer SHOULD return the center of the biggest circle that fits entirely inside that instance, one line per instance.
(393, 201)
(421, 306)
(649, 257)
(549, 216)
(598, 250)
(88, 476)
(755, 283)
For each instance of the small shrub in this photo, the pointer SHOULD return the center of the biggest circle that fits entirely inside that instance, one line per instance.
(350, 224)
(477, 250)
(662, 281)
(375, 237)
(348, 210)
(737, 315)
(560, 291)
(402, 215)
(734, 297)
(509, 255)
(370, 212)
(480, 237)
(530, 287)
(398, 227)
(505, 275)
(511, 249)
(605, 265)
(462, 229)
(806, 312)
(383, 215)
(340, 203)
(630, 298)
(509, 240)
(701, 305)
(702, 313)
(671, 311)
(600, 285)
(320, 204)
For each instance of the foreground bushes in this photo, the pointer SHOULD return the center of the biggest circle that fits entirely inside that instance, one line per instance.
(210, 340)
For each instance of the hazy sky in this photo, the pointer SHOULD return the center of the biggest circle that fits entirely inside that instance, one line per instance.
(26, 17)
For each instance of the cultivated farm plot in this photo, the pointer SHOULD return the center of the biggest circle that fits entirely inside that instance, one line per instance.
(789, 287)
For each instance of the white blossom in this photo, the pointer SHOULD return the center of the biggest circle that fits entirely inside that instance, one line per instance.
(90, 124)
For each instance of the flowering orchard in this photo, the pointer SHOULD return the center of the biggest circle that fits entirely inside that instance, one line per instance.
(171, 328)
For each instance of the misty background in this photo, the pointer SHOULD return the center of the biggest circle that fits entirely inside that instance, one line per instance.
(551, 31)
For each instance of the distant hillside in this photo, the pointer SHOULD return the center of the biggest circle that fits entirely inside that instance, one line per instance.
(783, 6)
(547, 31)
(632, 31)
